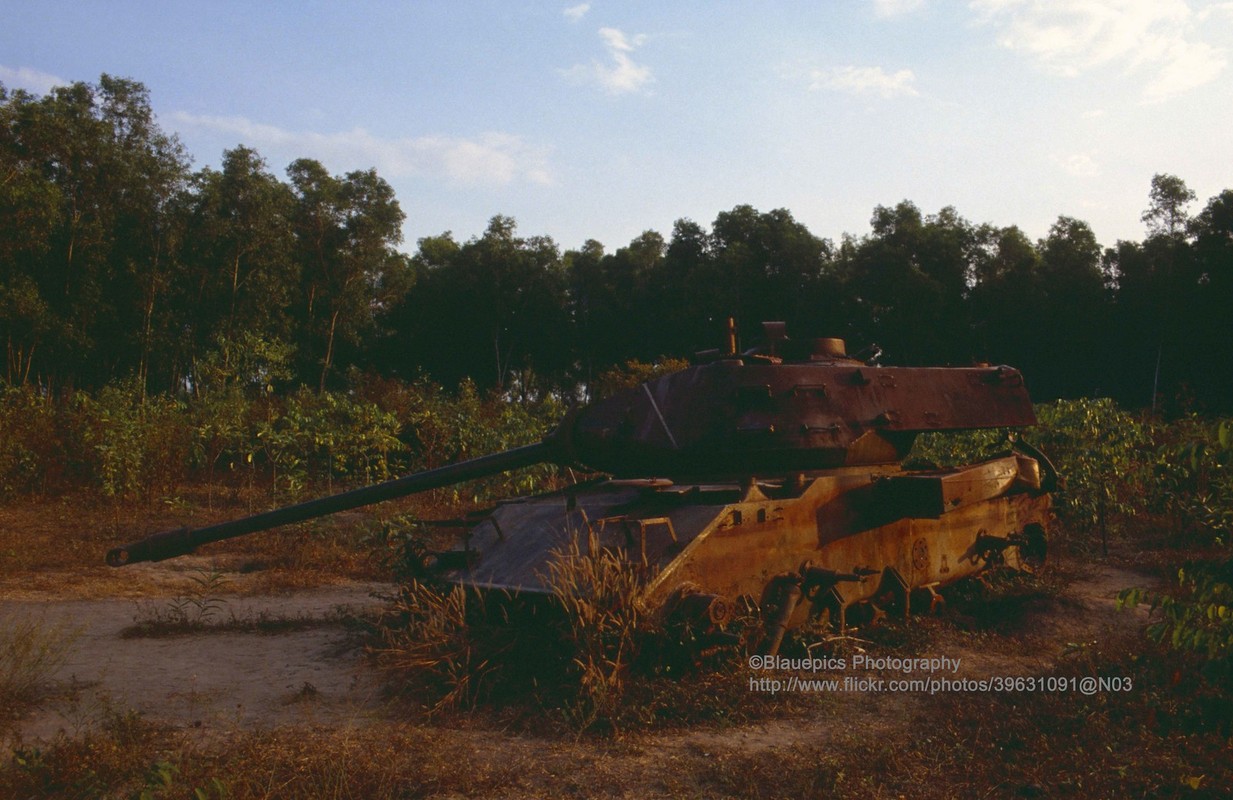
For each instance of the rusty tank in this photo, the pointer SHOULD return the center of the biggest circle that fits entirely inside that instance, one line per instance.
(772, 477)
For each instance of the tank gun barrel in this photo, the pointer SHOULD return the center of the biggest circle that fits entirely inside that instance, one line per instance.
(181, 541)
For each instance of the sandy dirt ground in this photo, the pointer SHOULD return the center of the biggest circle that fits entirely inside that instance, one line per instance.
(214, 680)
(317, 674)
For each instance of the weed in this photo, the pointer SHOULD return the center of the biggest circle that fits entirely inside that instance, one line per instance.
(157, 627)
(402, 546)
(605, 622)
(30, 652)
(570, 651)
(197, 608)
(433, 647)
(202, 603)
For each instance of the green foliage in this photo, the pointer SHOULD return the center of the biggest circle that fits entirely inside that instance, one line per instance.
(224, 430)
(953, 449)
(492, 310)
(116, 259)
(199, 606)
(320, 437)
(159, 779)
(402, 545)
(346, 229)
(440, 428)
(247, 361)
(1196, 617)
(1102, 453)
(129, 445)
(30, 450)
(1194, 477)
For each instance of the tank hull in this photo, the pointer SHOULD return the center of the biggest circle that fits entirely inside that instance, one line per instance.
(802, 546)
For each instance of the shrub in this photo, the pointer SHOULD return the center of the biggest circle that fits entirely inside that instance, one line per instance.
(129, 446)
(1194, 477)
(605, 624)
(571, 651)
(1196, 617)
(326, 436)
(30, 448)
(1103, 454)
(433, 649)
(440, 428)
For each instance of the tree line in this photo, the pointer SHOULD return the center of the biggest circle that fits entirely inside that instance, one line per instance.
(118, 261)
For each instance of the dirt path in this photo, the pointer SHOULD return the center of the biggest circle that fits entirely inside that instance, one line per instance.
(212, 680)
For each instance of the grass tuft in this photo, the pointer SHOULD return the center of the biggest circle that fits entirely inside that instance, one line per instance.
(30, 653)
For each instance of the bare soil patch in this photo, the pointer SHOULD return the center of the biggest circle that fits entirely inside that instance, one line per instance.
(210, 680)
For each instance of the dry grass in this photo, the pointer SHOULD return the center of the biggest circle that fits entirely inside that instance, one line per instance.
(1164, 739)
(606, 626)
(431, 647)
(1153, 741)
(588, 658)
(30, 652)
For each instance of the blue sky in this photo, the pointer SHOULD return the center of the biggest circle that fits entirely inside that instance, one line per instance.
(603, 119)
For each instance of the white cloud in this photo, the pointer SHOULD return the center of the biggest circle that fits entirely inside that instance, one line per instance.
(895, 8)
(1186, 67)
(1081, 165)
(1069, 37)
(491, 158)
(622, 75)
(29, 79)
(864, 80)
(575, 13)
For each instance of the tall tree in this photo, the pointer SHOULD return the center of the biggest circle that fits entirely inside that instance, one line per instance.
(493, 309)
(589, 295)
(1211, 349)
(346, 229)
(1166, 214)
(87, 174)
(908, 281)
(1006, 299)
(686, 296)
(30, 207)
(1070, 325)
(1156, 285)
(240, 273)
